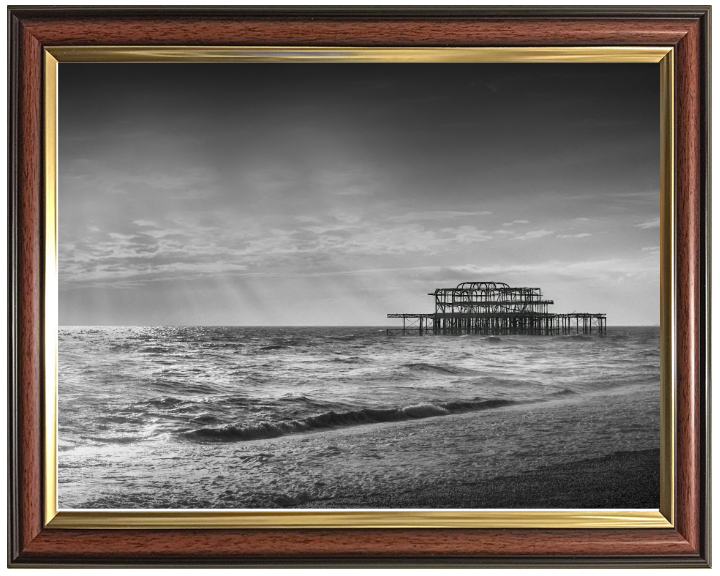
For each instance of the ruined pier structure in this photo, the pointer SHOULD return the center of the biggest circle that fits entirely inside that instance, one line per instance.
(496, 308)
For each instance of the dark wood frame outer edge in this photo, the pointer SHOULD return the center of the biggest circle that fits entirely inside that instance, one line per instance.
(685, 28)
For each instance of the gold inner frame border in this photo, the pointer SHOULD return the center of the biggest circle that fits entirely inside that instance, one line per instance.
(664, 517)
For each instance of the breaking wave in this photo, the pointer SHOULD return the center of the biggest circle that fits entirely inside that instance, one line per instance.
(436, 368)
(334, 419)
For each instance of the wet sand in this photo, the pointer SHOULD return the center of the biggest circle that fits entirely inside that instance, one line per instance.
(621, 480)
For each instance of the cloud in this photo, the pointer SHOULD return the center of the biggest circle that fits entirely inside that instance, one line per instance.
(650, 249)
(436, 215)
(516, 222)
(607, 268)
(130, 260)
(581, 235)
(162, 233)
(347, 218)
(220, 244)
(121, 238)
(468, 235)
(591, 269)
(353, 192)
(534, 234)
(649, 224)
(98, 177)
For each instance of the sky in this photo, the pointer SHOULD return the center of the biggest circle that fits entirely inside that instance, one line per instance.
(333, 194)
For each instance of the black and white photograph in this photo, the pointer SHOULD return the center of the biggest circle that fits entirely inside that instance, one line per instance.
(358, 286)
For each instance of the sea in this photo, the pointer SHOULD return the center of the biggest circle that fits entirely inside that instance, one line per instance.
(281, 417)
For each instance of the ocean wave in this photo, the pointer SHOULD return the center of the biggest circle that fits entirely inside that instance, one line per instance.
(347, 360)
(122, 347)
(205, 419)
(156, 350)
(164, 402)
(425, 367)
(114, 439)
(334, 419)
(563, 392)
(345, 337)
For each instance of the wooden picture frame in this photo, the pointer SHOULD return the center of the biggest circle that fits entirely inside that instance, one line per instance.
(33, 542)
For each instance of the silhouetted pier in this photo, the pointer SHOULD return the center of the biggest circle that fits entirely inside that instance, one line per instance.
(496, 308)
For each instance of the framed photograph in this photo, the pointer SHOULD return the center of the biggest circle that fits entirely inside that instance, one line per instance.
(329, 286)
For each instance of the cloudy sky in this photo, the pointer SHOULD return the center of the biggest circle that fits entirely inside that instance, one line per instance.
(332, 194)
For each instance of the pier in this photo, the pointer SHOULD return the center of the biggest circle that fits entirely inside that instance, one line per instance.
(496, 308)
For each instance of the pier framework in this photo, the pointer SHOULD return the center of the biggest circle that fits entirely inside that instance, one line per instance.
(496, 308)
